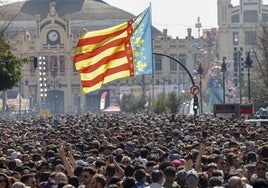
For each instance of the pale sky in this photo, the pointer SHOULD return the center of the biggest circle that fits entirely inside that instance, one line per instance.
(176, 15)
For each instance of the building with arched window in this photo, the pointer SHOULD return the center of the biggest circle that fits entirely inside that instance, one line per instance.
(46, 32)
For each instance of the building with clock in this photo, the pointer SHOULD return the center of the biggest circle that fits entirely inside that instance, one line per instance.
(49, 30)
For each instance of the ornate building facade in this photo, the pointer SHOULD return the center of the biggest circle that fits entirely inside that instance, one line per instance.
(47, 34)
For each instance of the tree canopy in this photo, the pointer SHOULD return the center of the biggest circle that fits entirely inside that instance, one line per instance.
(10, 66)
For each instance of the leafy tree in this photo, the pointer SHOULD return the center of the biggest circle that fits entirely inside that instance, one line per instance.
(160, 104)
(10, 66)
(173, 102)
(263, 52)
(167, 103)
(130, 103)
(259, 78)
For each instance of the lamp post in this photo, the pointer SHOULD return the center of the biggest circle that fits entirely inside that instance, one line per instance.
(21, 83)
(20, 99)
(239, 60)
(248, 64)
(55, 84)
(78, 103)
(223, 70)
(200, 71)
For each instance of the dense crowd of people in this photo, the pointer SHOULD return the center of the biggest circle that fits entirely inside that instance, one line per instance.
(132, 150)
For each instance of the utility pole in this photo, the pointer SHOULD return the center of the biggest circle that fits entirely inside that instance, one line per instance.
(223, 70)
(248, 63)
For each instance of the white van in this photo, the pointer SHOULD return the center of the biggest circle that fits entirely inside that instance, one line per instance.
(258, 122)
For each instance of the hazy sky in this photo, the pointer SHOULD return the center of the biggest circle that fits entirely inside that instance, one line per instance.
(174, 15)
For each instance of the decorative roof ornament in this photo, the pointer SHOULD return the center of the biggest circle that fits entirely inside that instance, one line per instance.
(53, 11)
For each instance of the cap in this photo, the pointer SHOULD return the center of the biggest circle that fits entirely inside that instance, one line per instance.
(192, 173)
(176, 163)
(174, 156)
(212, 165)
(15, 154)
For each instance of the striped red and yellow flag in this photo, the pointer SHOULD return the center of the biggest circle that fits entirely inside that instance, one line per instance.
(120, 51)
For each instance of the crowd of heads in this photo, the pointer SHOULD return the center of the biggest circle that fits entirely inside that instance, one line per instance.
(132, 150)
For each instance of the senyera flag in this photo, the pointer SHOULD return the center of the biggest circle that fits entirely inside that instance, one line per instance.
(121, 51)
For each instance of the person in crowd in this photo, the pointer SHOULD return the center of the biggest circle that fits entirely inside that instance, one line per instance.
(235, 182)
(129, 182)
(29, 180)
(140, 177)
(4, 181)
(18, 185)
(192, 179)
(98, 181)
(170, 176)
(41, 152)
(260, 171)
(87, 175)
(157, 179)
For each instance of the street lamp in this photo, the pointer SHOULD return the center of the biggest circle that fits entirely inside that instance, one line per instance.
(20, 100)
(223, 70)
(248, 64)
(238, 54)
(200, 71)
(78, 103)
(54, 84)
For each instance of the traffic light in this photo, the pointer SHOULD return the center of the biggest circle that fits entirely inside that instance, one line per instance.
(195, 106)
(35, 62)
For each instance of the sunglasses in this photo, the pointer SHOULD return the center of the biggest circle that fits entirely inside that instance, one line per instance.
(3, 181)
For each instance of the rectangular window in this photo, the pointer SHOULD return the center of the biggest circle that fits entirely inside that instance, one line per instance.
(172, 63)
(74, 69)
(31, 64)
(53, 66)
(158, 63)
(182, 59)
(250, 16)
(235, 18)
(250, 38)
(62, 64)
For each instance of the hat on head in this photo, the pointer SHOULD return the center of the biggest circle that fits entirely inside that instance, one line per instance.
(192, 173)
(174, 156)
(82, 163)
(15, 154)
(176, 163)
(212, 165)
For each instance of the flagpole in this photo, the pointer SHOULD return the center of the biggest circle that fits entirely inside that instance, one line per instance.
(150, 8)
